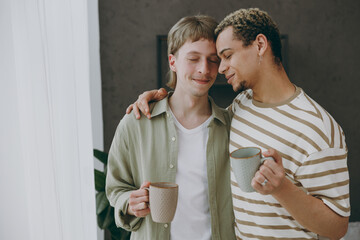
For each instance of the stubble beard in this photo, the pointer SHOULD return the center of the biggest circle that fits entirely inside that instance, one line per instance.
(242, 87)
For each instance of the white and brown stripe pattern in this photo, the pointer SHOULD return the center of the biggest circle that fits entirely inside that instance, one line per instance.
(314, 154)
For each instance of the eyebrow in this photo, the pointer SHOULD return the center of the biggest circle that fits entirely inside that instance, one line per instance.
(222, 51)
(192, 52)
(198, 53)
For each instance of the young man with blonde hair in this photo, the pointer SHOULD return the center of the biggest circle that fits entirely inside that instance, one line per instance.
(185, 142)
(304, 194)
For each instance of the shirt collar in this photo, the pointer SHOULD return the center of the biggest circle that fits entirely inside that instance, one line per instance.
(163, 106)
(159, 107)
(217, 112)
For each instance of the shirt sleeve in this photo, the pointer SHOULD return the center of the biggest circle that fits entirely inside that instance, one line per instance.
(325, 175)
(119, 180)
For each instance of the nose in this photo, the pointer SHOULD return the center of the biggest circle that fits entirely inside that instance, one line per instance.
(204, 67)
(222, 67)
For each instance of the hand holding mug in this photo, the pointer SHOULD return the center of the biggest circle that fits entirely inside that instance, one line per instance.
(244, 164)
(271, 174)
(138, 201)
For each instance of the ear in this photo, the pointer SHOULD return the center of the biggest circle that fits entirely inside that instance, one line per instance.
(172, 62)
(261, 44)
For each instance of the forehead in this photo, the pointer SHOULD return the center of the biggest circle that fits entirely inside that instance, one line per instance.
(226, 40)
(202, 46)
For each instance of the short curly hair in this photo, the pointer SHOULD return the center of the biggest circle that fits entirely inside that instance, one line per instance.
(248, 23)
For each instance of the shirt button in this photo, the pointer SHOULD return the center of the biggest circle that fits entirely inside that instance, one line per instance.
(167, 115)
(166, 225)
(171, 166)
(173, 139)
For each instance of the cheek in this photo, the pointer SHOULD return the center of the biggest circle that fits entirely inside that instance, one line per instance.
(214, 69)
(186, 68)
(189, 67)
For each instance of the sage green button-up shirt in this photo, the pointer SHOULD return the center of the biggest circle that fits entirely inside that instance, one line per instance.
(147, 150)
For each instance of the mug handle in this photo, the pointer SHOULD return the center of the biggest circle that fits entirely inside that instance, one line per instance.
(262, 160)
(148, 189)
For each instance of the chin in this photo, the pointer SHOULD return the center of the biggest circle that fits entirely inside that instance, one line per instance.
(200, 93)
(238, 88)
(241, 87)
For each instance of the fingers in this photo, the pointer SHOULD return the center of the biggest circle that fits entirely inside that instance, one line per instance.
(138, 201)
(143, 105)
(271, 172)
(142, 213)
(261, 184)
(133, 107)
(136, 111)
(273, 153)
(139, 193)
(139, 210)
(143, 100)
(137, 107)
(259, 178)
(129, 108)
(160, 94)
(139, 206)
(145, 184)
(150, 96)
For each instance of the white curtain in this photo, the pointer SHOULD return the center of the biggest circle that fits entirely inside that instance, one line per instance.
(46, 172)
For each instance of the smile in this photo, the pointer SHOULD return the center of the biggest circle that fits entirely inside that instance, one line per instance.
(228, 77)
(202, 81)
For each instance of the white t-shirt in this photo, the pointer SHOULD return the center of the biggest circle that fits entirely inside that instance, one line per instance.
(192, 217)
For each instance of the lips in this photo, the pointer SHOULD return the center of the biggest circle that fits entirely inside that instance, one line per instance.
(229, 76)
(202, 81)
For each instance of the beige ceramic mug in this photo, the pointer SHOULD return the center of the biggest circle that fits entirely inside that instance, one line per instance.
(163, 197)
(244, 163)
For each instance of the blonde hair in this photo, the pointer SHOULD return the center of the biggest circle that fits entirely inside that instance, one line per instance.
(248, 23)
(188, 28)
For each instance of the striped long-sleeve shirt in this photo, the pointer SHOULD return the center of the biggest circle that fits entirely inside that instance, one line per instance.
(314, 154)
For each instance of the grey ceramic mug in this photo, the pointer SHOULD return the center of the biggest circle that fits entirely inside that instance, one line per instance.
(244, 163)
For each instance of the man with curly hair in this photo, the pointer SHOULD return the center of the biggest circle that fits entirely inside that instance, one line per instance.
(304, 193)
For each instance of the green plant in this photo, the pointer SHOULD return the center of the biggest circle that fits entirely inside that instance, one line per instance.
(105, 212)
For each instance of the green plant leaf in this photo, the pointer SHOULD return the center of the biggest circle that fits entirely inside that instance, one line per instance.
(106, 218)
(118, 233)
(101, 218)
(102, 156)
(105, 213)
(101, 202)
(100, 179)
(109, 218)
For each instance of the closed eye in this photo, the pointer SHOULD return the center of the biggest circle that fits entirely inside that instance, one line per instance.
(193, 59)
(214, 60)
(227, 56)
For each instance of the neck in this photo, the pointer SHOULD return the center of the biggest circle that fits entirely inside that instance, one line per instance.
(190, 111)
(273, 85)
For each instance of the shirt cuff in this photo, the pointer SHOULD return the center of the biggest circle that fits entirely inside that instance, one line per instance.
(122, 219)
